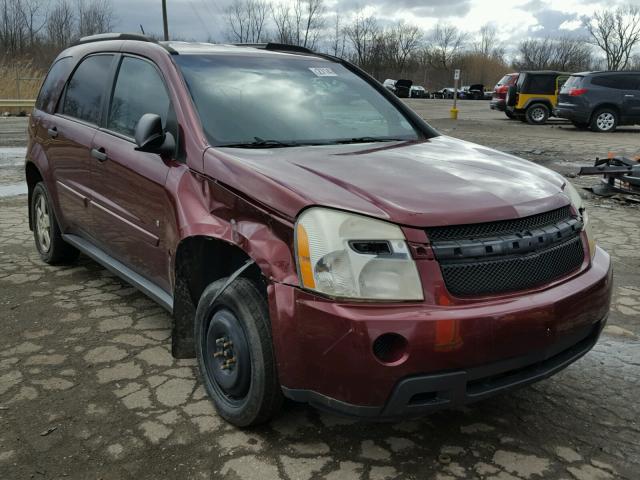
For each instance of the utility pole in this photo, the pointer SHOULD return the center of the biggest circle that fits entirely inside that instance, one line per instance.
(164, 20)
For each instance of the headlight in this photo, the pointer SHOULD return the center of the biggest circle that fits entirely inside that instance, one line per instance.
(578, 204)
(352, 256)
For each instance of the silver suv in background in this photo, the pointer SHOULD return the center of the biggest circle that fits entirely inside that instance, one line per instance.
(601, 100)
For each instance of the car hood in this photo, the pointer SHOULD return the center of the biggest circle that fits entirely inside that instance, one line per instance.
(440, 181)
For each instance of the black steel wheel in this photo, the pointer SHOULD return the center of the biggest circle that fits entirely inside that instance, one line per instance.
(235, 352)
(229, 360)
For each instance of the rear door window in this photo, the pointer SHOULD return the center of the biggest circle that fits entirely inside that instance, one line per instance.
(85, 91)
(139, 89)
(610, 81)
(52, 86)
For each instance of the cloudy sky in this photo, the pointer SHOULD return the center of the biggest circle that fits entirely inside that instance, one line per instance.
(515, 19)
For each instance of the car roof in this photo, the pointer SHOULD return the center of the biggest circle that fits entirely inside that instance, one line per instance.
(94, 42)
(609, 72)
(545, 72)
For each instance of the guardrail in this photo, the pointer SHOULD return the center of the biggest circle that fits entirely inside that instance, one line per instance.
(17, 103)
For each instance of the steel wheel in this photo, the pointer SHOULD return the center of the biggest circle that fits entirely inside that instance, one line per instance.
(228, 364)
(43, 224)
(537, 114)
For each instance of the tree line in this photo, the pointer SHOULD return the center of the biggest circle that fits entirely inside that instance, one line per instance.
(402, 50)
(37, 30)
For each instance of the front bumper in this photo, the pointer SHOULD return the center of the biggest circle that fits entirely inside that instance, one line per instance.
(456, 354)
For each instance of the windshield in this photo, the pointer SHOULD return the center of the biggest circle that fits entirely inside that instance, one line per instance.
(286, 100)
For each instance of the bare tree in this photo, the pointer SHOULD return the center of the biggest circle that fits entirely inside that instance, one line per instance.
(94, 16)
(338, 41)
(60, 24)
(446, 42)
(281, 15)
(405, 40)
(20, 23)
(564, 54)
(363, 34)
(246, 20)
(616, 33)
(299, 24)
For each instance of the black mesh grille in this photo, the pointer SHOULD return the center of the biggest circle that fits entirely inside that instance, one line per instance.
(495, 229)
(513, 273)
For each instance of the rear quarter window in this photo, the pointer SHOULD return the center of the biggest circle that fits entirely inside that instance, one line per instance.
(618, 82)
(53, 84)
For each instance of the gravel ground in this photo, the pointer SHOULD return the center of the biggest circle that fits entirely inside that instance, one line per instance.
(88, 388)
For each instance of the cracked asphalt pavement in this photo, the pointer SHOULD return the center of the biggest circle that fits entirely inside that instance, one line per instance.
(88, 387)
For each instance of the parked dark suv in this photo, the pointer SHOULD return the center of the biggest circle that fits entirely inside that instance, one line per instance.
(312, 236)
(601, 100)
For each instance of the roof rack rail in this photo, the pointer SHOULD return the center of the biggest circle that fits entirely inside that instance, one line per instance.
(114, 36)
(280, 47)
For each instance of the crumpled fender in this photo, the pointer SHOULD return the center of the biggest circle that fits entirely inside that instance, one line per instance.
(208, 208)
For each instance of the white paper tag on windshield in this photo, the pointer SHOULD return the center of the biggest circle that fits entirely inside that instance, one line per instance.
(323, 71)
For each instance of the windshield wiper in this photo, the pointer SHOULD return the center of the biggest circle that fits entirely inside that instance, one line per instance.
(261, 143)
(367, 140)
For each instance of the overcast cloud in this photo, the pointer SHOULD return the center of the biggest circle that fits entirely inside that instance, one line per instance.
(514, 19)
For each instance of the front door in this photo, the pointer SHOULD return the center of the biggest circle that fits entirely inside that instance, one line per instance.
(130, 207)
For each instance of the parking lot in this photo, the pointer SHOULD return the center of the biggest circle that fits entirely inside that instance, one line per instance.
(88, 387)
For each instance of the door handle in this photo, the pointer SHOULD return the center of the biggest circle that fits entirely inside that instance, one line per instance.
(99, 154)
(629, 96)
(53, 132)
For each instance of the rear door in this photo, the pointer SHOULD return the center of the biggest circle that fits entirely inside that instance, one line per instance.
(70, 135)
(130, 205)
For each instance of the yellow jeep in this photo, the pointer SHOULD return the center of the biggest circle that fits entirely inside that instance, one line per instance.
(534, 97)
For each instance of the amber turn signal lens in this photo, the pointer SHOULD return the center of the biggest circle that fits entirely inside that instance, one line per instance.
(304, 257)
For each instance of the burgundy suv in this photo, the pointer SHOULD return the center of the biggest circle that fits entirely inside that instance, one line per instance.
(312, 236)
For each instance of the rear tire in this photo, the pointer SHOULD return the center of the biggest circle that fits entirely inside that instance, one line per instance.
(604, 120)
(537, 114)
(235, 326)
(46, 231)
(509, 114)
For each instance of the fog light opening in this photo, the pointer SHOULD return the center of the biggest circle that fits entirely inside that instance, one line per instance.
(390, 348)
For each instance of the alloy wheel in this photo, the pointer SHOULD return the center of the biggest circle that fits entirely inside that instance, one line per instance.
(43, 224)
(605, 121)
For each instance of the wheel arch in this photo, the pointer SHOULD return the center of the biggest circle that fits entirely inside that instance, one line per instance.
(33, 176)
(545, 101)
(608, 105)
(199, 261)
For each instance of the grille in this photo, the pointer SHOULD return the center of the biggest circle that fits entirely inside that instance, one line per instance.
(495, 229)
(514, 272)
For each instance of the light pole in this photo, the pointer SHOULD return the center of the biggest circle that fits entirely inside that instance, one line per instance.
(164, 20)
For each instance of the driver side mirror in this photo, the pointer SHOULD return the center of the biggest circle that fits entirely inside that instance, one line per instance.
(151, 137)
